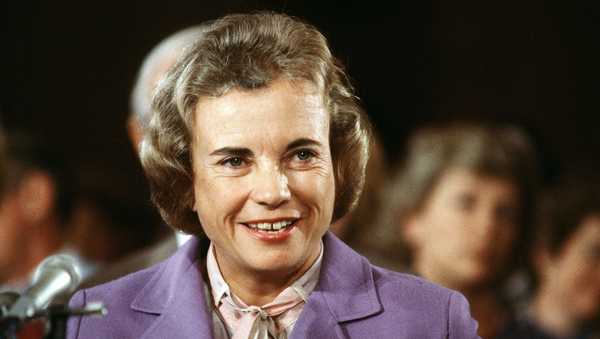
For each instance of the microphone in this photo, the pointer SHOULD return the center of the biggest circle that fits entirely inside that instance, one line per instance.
(55, 276)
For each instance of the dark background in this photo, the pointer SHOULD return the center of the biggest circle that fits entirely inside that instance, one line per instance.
(67, 68)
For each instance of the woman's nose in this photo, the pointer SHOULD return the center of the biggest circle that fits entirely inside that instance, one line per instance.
(271, 187)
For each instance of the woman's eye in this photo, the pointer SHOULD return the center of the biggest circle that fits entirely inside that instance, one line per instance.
(233, 162)
(304, 155)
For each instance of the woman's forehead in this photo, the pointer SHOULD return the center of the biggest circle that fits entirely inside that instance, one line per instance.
(276, 113)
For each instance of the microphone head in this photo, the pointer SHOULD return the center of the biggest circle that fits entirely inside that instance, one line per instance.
(59, 262)
(55, 276)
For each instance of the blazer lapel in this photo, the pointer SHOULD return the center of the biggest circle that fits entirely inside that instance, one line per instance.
(316, 322)
(345, 292)
(176, 296)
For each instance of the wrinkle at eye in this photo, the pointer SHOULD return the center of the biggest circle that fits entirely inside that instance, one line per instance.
(320, 169)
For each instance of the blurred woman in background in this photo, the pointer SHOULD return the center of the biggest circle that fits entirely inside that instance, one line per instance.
(458, 211)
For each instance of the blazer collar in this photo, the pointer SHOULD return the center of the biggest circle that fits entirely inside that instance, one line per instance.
(346, 288)
(346, 282)
(346, 292)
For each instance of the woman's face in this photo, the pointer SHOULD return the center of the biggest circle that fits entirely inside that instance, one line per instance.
(465, 231)
(263, 178)
(572, 276)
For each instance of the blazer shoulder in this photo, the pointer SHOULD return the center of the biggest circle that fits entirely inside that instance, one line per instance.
(126, 287)
(408, 286)
(440, 309)
(117, 297)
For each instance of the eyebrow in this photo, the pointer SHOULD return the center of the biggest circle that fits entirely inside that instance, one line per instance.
(247, 153)
(241, 152)
(302, 142)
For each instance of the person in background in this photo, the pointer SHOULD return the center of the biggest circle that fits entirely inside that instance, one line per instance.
(35, 205)
(458, 210)
(566, 256)
(106, 230)
(257, 145)
(158, 61)
(155, 65)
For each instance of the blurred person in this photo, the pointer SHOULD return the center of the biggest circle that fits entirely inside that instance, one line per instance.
(257, 145)
(155, 65)
(158, 61)
(458, 211)
(35, 205)
(105, 230)
(566, 302)
(153, 68)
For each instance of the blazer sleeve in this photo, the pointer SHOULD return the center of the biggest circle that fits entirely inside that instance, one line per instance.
(77, 301)
(460, 323)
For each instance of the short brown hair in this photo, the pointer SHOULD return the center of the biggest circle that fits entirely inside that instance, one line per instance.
(249, 51)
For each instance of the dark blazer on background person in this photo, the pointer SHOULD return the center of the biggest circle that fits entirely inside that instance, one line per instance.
(353, 299)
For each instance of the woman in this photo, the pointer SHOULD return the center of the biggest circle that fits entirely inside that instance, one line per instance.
(257, 145)
(458, 209)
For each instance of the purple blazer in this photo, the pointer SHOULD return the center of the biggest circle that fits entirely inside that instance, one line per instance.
(353, 299)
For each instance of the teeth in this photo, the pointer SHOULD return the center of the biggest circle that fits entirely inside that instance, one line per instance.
(264, 226)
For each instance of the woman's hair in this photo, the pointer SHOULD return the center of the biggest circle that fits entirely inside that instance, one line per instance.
(498, 151)
(356, 228)
(247, 52)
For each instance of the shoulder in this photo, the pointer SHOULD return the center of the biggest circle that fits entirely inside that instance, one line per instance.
(135, 301)
(135, 262)
(425, 309)
(117, 297)
(370, 301)
(408, 287)
(125, 287)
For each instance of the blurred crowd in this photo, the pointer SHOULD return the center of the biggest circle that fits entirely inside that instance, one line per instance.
(463, 206)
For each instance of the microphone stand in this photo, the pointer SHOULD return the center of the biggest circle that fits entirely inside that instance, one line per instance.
(56, 315)
(8, 327)
(59, 314)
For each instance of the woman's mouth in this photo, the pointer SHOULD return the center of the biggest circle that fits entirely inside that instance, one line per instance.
(271, 227)
(277, 230)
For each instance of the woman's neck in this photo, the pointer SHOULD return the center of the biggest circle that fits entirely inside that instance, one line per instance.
(260, 288)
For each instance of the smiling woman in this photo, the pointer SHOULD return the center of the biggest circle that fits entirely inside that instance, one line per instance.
(248, 181)
(257, 145)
